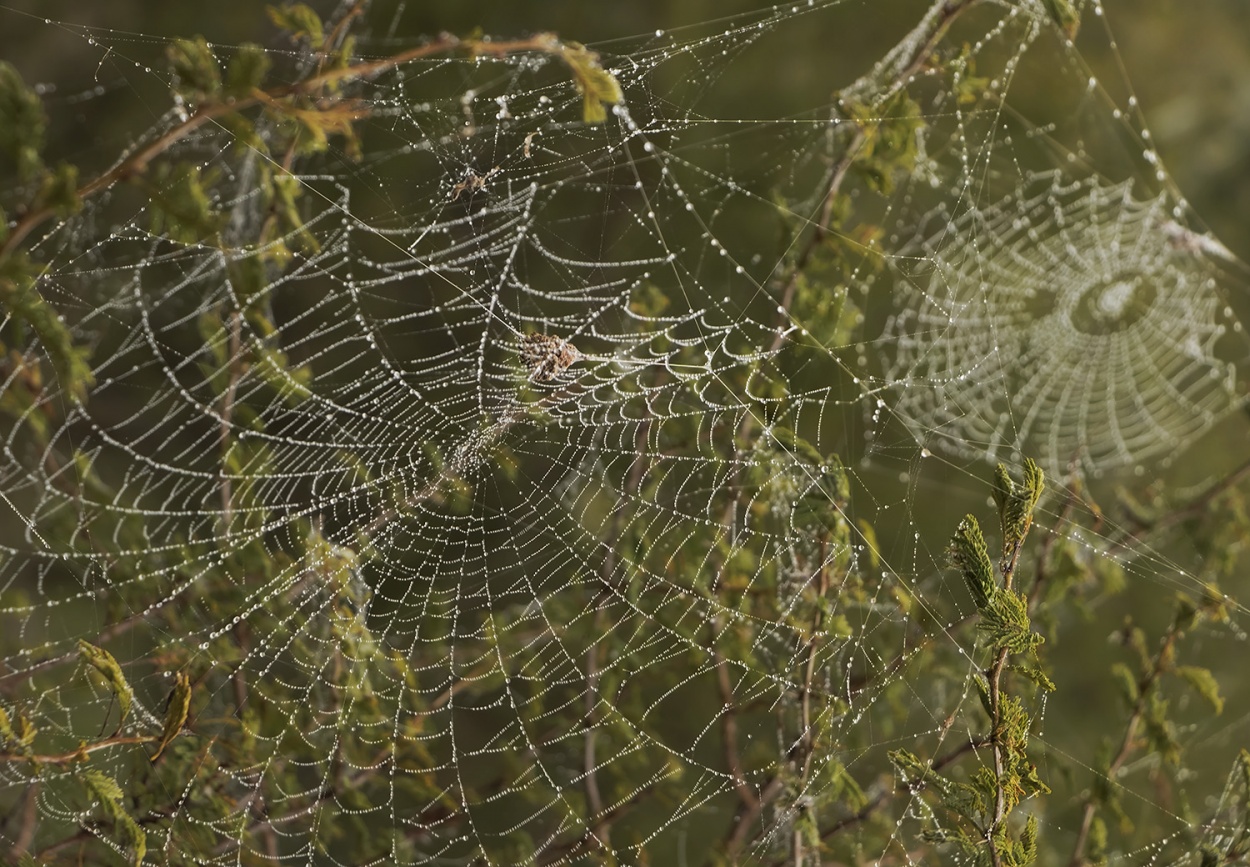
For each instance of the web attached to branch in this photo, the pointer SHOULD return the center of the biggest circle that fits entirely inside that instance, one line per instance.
(505, 523)
(1072, 321)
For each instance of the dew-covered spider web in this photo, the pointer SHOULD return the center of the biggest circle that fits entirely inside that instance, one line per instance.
(554, 492)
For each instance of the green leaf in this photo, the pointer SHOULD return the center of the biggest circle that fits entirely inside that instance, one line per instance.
(286, 190)
(1028, 841)
(842, 787)
(248, 281)
(869, 536)
(59, 190)
(890, 145)
(1006, 620)
(598, 87)
(20, 297)
(246, 70)
(26, 731)
(1016, 504)
(300, 21)
(648, 300)
(311, 128)
(22, 123)
(1159, 730)
(1126, 683)
(197, 78)
(103, 663)
(1065, 16)
(1204, 683)
(969, 87)
(181, 207)
(105, 790)
(969, 555)
(1096, 848)
(1035, 674)
(176, 711)
(22, 735)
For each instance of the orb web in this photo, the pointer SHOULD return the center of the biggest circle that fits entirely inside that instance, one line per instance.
(1071, 321)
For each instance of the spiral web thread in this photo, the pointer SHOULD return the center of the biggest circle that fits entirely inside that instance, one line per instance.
(499, 521)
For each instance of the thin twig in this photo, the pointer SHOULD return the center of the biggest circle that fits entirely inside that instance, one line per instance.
(29, 822)
(79, 754)
(1000, 795)
(227, 416)
(729, 722)
(1195, 508)
(923, 49)
(746, 817)
(1041, 571)
(886, 795)
(1129, 741)
(137, 162)
(600, 826)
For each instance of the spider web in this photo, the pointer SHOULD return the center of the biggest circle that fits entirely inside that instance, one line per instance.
(504, 525)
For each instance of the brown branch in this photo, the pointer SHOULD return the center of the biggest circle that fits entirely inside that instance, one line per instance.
(928, 35)
(600, 826)
(885, 796)
(79, 754)
(746, 816)
(729, 723)
(29, 815)
(1195, 508)
(1000, 795)
(137, 162)
(926, 38)
(1127, 743)
(807, 739)
(227, 416)
(335, 37)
